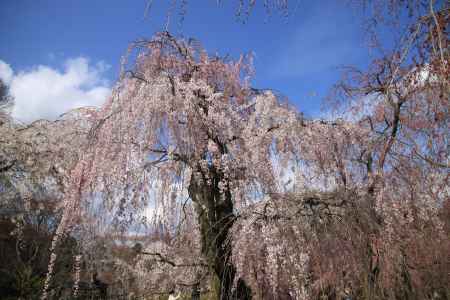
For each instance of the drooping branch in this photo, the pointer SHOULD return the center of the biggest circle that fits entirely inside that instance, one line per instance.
(163, 259)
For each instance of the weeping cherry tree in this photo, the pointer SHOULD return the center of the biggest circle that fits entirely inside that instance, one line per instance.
(180, 121)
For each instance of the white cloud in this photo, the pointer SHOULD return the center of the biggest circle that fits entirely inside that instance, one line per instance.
(45, 93)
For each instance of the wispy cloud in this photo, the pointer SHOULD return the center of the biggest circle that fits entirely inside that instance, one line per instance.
(328, 37)
(45, 92)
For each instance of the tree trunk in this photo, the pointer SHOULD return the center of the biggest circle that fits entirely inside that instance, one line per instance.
(216, 217)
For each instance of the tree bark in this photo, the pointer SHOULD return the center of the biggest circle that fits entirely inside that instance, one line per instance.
(215, 214)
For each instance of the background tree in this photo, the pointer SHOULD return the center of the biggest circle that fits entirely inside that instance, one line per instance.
(34, 160)
(6, 101)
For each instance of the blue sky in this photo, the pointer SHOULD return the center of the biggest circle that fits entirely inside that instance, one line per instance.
(298, 56)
